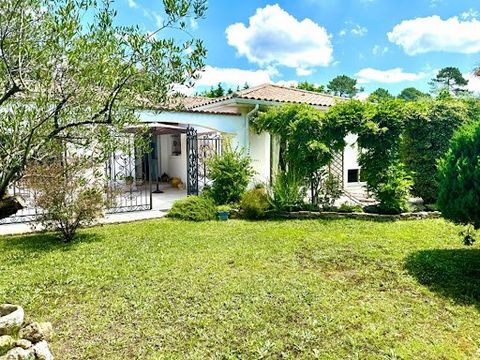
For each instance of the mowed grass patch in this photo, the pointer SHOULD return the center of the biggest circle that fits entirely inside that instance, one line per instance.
(277, 289)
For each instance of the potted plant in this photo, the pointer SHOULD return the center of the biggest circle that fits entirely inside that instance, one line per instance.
(223, 212)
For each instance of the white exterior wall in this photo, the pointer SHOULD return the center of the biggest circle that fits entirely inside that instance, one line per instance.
(173, 165)
(235, 125)
(260, 155)
(350, 162)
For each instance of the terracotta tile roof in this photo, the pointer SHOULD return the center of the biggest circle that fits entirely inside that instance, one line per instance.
(193, 101)
(276, 93)
(190, 104)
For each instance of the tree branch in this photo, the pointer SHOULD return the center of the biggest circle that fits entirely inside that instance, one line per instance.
(10, 92)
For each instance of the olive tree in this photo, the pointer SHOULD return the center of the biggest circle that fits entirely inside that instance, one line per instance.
(68, 74)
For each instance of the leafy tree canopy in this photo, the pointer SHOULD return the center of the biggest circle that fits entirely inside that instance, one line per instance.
(220, 91)
(451, 79)
(412, 94)
(343, 86)
(379, 95)
(305, 85)
(69, 74)
(217, 92)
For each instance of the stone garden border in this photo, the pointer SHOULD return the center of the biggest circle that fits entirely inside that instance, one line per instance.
(328, 215)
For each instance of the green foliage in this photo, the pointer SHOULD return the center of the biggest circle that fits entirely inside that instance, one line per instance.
(349, 208)
(67, 72)
(343, 86)
(194, 208)
(459, 176)
(393, 189)
(429, 127)
(230, 173)
(308, 139)
(412, 94)
(330, 191)
(473, 107)
(451, 79)
(224, 208)
(305, 85)
(379, 95)
(255, 204)
(379, 139)
(217, 92)
(287, 192)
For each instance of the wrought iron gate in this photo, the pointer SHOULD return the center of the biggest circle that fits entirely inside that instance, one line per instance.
(128, 188)
(129, 182)
(200, 148)
(30, 212)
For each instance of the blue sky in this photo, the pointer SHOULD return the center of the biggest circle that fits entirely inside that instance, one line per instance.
(382, 43)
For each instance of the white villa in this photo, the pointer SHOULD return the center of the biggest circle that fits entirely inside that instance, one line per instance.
(231, 115)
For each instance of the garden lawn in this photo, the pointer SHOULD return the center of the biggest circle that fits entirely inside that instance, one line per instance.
(293, 289)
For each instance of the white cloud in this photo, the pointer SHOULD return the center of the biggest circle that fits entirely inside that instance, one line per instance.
(233, 76)
(379, 50)
(304, 72)
(473, 83)
(422, 35)
(353, 29)
(274, 37)
(287, 83)
(470, 14)
(358, 30)
(362, 96)
(193, 24)
(158, 20)
(387, 76)
(132, 4)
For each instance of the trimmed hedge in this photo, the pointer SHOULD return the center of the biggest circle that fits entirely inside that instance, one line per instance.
(428, 130)
(194, 208)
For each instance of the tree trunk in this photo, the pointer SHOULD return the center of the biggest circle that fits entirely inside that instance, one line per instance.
(9, 206)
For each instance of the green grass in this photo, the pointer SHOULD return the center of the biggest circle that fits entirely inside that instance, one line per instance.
(298, 289)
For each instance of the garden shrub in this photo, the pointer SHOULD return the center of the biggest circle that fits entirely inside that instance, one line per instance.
(69, 194)
(459, 177)
(230, 173)
(429, 127)
(194, 208)
(254, 204)
(393, 190)
(330, 191)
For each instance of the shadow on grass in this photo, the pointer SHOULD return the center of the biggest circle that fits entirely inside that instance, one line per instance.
(452, 273)
(45, 242)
